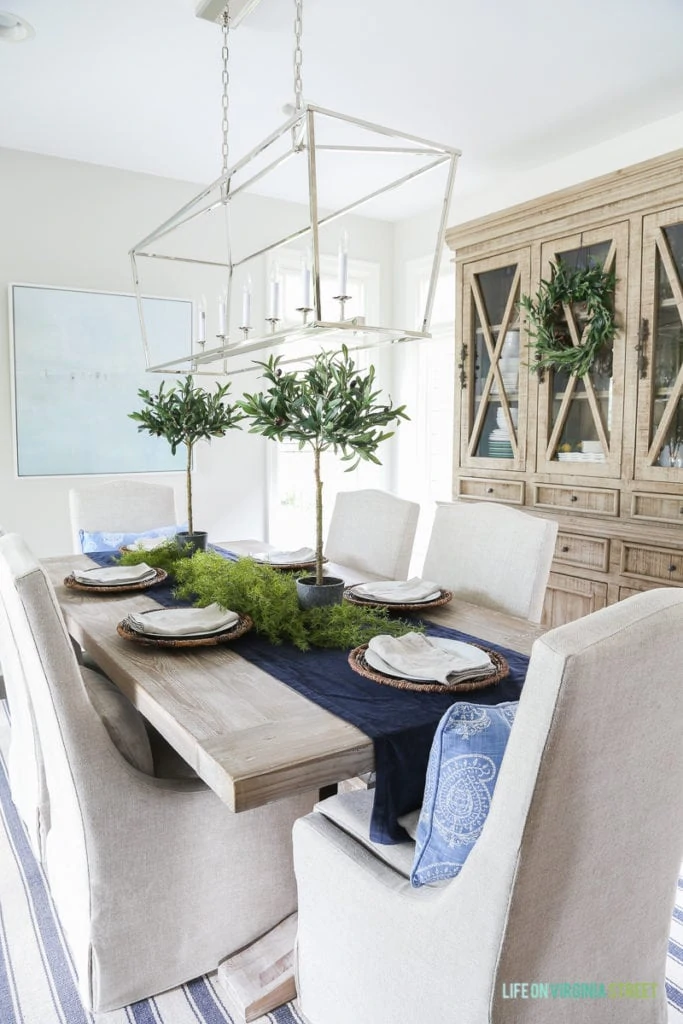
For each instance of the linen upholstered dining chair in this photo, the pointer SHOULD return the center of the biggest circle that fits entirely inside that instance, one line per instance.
(154, 879)
(573, 876)
(492, 555)
(120, 506)
(25, 769)
(371, 532)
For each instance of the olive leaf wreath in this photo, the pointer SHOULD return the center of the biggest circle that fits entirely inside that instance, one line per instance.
(594, 288)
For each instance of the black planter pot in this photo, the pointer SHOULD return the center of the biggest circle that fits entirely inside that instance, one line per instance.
(194, 541)
(314, 595)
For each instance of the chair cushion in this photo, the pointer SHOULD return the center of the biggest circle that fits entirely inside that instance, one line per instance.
(351, 812)
(102, 540)
(123, 722)
(463, 768)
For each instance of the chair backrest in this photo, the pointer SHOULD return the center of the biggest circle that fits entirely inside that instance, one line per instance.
(373, 531)
(574, 875)
(126, 506)
(25, 768)
(492, 555)
(86, 776)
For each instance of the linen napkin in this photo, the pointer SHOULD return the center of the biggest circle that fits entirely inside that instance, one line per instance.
(183, 621)
(419, 657)
(284, 557)
(115, 575)
(147, 543)
(399, 591)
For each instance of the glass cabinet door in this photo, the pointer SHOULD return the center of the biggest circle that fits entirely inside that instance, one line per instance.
(580, 418)
(492, 369)
(659, 444)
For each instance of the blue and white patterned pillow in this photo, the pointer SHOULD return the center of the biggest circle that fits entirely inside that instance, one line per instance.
(102, 540)
(463, 768)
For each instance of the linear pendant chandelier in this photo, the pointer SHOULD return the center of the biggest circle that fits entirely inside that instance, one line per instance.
(330, 165)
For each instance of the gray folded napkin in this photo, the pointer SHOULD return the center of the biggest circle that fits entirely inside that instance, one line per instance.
(115, 575)
(399, 591)
(420, 657)
(284, 557)
(183, 621)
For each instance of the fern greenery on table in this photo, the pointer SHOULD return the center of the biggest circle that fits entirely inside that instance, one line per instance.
(269, 596)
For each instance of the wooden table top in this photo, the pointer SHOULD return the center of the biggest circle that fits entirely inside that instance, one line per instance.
(246, 734)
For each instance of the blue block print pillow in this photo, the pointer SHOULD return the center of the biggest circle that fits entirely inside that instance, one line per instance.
(102, 540)
(461, 775)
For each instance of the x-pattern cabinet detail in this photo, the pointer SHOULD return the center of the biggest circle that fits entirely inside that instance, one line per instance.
(602, 453)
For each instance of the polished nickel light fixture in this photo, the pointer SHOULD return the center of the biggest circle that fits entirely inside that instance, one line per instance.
(202, 246)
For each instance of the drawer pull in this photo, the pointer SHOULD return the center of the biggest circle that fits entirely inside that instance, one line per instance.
(489, 490)
(573, 498)
(672, 567)
(565, 549)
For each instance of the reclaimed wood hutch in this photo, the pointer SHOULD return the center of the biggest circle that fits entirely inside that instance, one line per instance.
(602, 454)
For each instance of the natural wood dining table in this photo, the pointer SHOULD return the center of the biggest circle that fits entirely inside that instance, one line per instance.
(250, 737)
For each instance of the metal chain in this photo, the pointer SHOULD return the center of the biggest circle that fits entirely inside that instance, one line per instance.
(298, 56)
(225, 53)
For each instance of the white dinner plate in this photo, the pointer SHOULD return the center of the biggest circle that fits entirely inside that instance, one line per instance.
(480, 659)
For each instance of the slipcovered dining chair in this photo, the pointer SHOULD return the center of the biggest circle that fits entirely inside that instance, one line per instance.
(573, 877)
(154, 879)
(25, 769)
(120, 506)
(492, 555)
(371, 532)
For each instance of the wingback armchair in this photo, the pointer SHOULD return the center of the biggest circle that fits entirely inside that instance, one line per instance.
(574, 875)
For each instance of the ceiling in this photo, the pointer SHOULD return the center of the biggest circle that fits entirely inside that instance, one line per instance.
(136, 84)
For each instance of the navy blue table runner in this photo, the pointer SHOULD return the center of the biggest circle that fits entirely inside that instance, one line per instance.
(401, 723)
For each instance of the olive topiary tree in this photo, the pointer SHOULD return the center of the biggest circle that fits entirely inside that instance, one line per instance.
(184, 414)
(329, 405)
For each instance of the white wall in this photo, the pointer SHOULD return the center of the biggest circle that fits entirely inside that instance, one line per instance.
(71, 224)
(503, 189)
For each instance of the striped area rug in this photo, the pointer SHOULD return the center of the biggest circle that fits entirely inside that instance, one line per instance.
(37, 984)
(37, 981)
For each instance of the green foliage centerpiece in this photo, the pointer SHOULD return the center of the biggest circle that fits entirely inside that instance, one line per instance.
(184, 414)
(270, 598)
(328, 405)
(591, 288)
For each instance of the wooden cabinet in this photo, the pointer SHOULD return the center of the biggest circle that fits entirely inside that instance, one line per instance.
(602, 454)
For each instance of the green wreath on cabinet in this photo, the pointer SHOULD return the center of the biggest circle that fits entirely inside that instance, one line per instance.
(589, 287)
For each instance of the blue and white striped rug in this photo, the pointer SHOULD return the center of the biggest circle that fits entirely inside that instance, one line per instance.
(37, 984)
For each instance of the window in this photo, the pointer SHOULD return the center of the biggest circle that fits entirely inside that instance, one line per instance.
(291, 505)
(425, 383)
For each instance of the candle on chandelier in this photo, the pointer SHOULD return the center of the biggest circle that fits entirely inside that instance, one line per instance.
(343, 263)
(201, 321)
(222, 314)
(274, 312)
(306, 280)
(246, 304)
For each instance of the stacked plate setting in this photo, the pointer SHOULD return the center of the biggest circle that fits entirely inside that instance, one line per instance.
(115, 575)
(412, 591)
(422, 659)
(182, 623)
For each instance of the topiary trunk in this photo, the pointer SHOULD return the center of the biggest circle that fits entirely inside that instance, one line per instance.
(318, 519)
(188, 482)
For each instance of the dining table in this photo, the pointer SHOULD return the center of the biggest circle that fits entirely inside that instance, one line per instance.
(251, 737)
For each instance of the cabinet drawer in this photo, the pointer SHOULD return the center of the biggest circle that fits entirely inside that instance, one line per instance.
(657, 564)
(596, 501)
(568, 598)
(510, 492)
(589, 552)
(662, 508)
